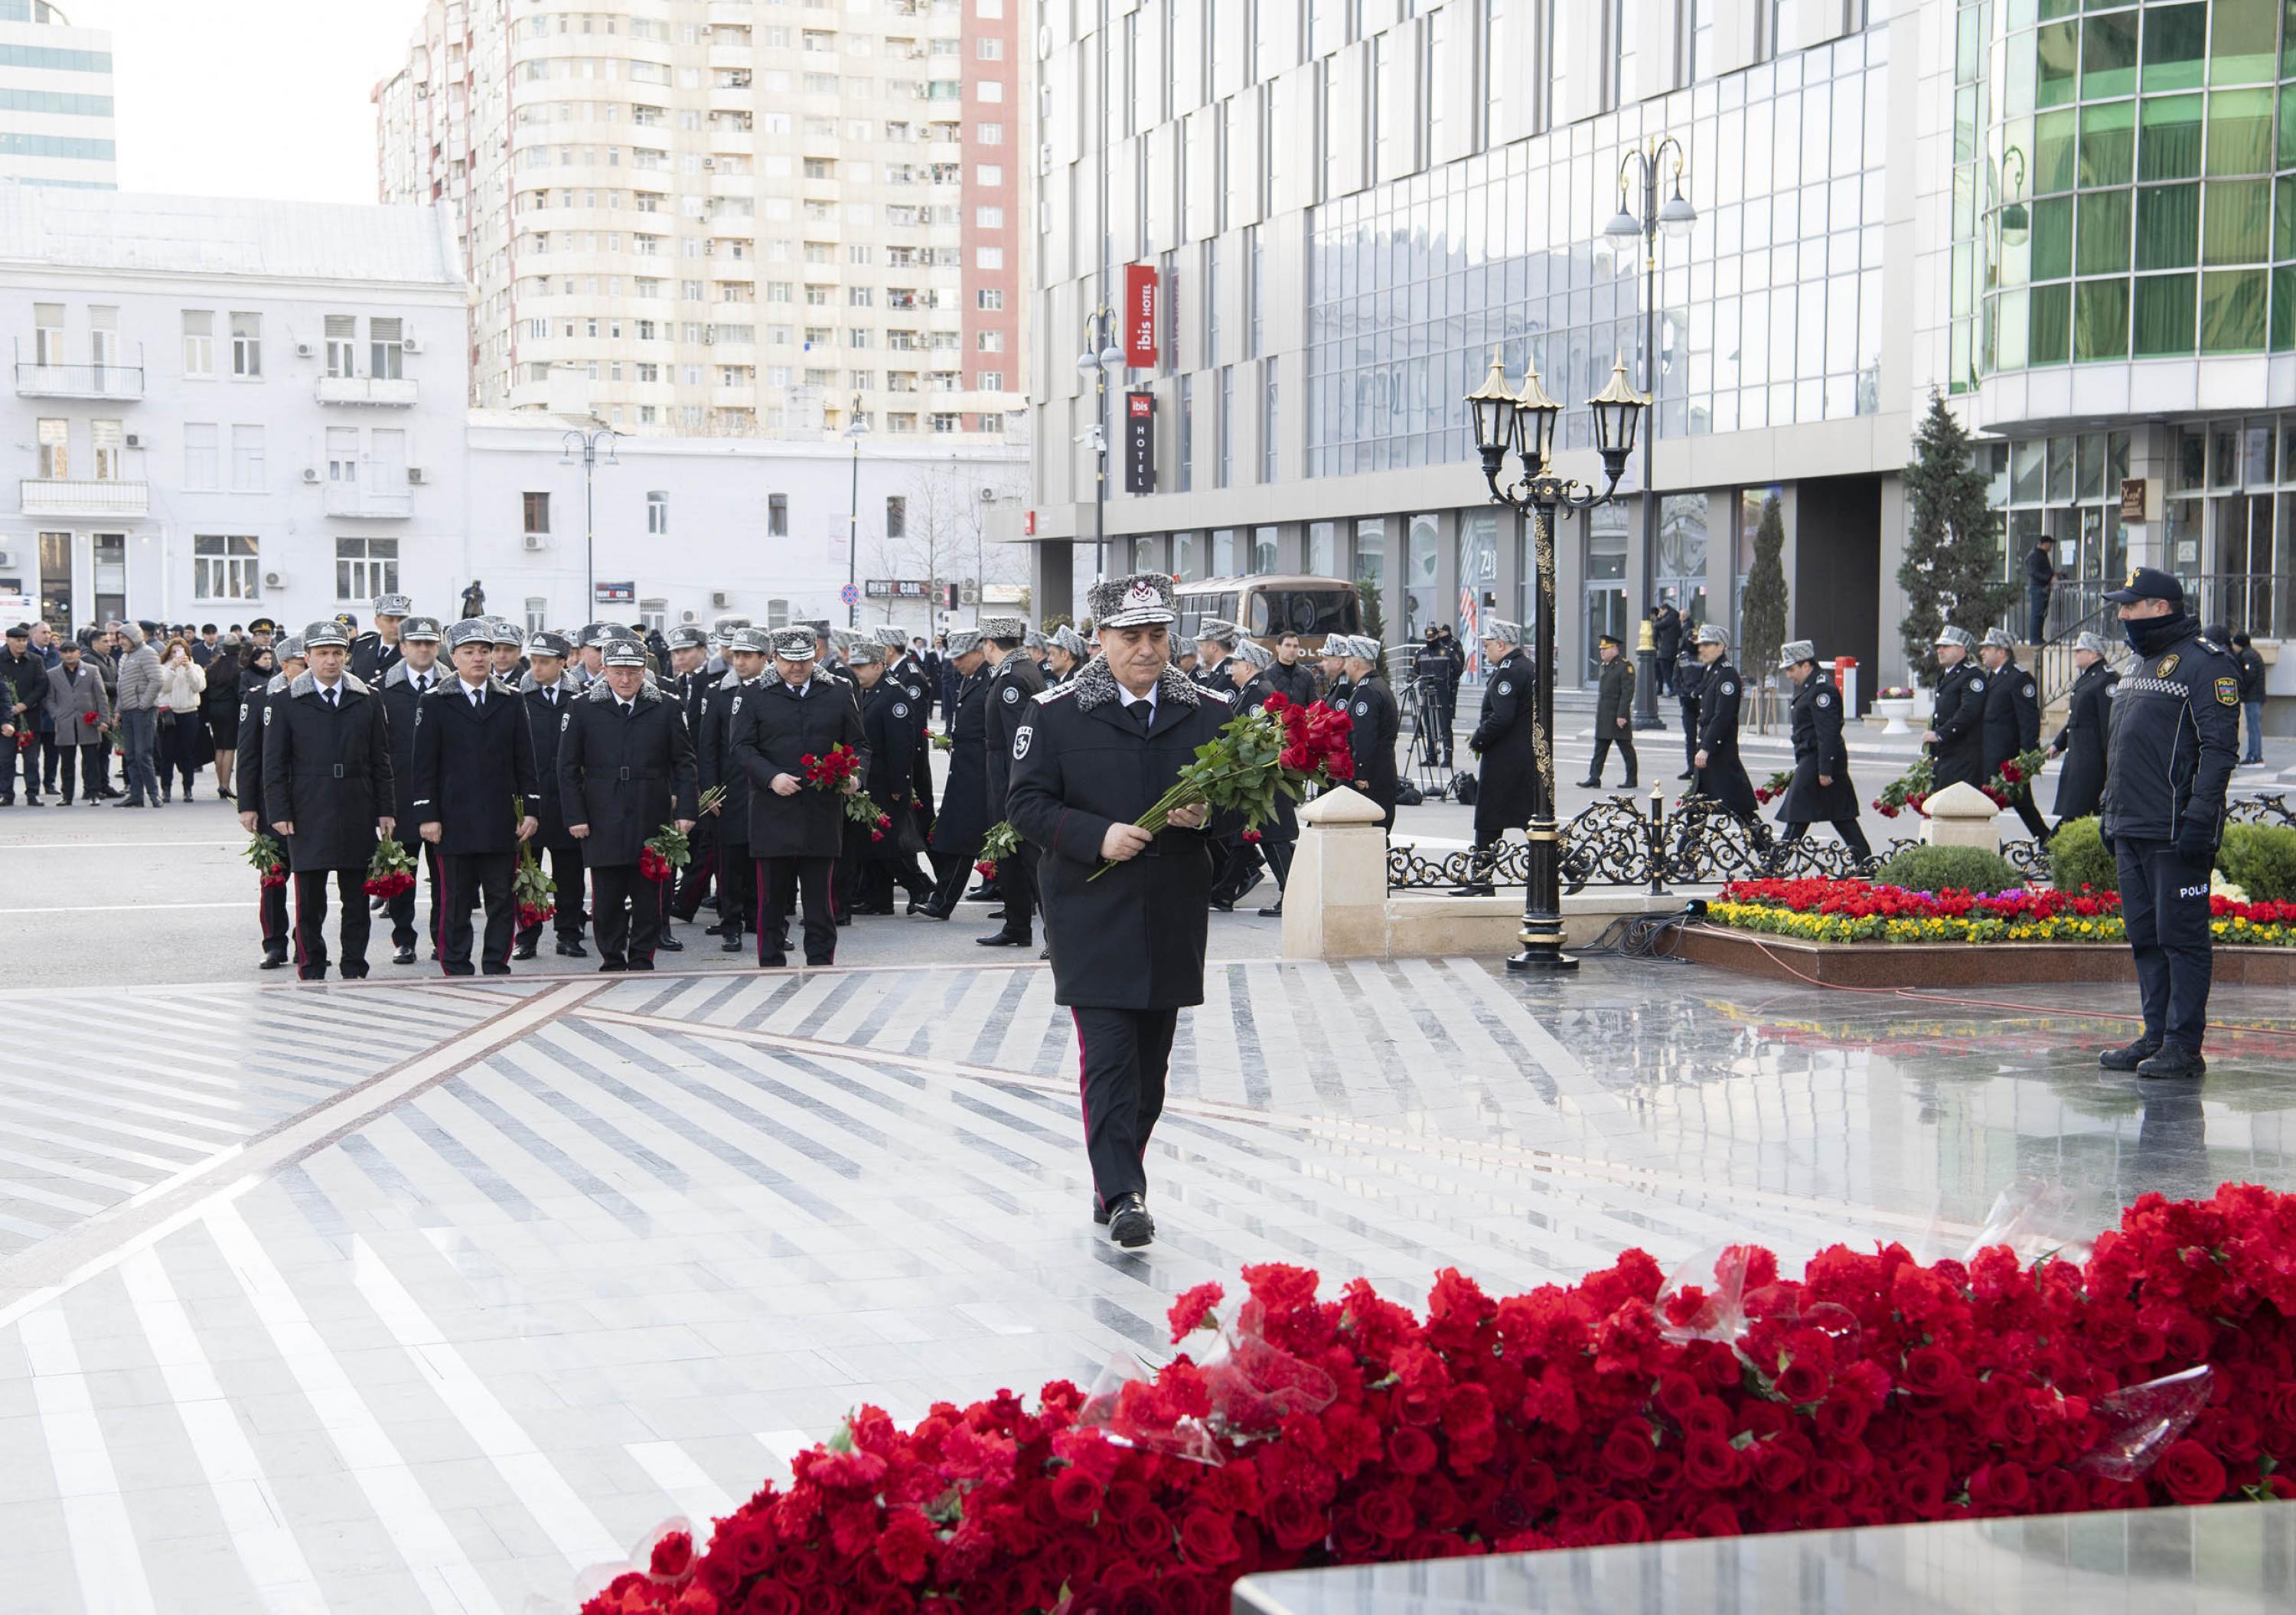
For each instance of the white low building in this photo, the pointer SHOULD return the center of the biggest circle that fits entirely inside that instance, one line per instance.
(222, 409)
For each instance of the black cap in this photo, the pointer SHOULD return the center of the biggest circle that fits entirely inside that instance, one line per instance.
(2148, 583)
(19, 630)
(206, 627)
(1607, 639)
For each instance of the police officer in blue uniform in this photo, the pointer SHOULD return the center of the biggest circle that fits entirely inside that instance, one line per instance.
(1956, 731)
(2174, 743)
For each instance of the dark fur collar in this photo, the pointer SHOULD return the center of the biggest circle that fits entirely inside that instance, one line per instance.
(305, 684)
(1097, 686)
(602, 691)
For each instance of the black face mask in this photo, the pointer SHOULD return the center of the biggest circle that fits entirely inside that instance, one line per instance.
(2149, 635)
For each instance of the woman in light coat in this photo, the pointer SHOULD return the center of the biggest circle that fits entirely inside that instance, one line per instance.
(182, 689)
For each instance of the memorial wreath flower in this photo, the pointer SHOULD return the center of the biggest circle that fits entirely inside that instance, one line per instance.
(267, 858)
(1000, 843)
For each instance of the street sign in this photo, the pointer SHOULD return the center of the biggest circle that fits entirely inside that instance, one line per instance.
(1140, 316)
(616, 594)
(849, 595)
(1139, 442)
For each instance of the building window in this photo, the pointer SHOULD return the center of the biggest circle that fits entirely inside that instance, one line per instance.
(342, 344)
(656, 513)
(386, 343)
(199, 341)
(247, 345)
(1251, 267)
(342, 454)
(992, 381)
(538, 612)
(945, 422)
(56, 448)
(536, 508)
(1224, 428)
(247, 459)
(47, 333)
(1187, 431)
(652, 614)
(989, 299)
(776, 515)
(224, 568)
(897, 516)
(366, 568)
(202, 457)
(1269, 458)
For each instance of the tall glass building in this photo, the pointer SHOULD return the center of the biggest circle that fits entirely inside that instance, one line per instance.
(1348, 203)
(56, 99)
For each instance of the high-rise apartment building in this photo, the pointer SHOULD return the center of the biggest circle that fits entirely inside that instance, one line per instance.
(56, 99)
(728, 217)
(2074, 222)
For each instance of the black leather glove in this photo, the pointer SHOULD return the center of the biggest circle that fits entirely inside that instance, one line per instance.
(2196, 844)
(2107, 842)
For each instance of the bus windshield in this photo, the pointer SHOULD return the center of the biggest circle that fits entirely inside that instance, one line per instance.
(1302, 611)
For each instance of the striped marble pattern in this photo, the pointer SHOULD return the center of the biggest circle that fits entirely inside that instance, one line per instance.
(624, 1263)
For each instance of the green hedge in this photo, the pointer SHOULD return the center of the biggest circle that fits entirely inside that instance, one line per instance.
(2078, 858)
(2261, 860)
(1949, 868)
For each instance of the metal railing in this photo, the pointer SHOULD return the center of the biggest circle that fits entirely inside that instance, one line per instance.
(82, 497)
(79, 380)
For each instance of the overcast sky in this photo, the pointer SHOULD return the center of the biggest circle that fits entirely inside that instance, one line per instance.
(250, 97)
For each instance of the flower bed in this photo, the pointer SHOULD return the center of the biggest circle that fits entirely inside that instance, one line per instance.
(1623, 1408)
(1857, 911)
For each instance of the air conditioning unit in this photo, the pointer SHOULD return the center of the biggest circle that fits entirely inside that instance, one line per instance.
(988, 495)
(536, 541)
(310, 473)
(709, 162)
(275, 580)
(720, 599)
(416, 476)
(304, 350)
(135, 439)
(411, 345)
(7, 558)
(689, 616)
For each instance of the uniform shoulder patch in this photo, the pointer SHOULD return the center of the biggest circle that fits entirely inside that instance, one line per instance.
(1824, 699)
(2168, 665)
(2210, 645)
(1976, 683)
(1506, 687)
(1011, 694)
(2228, 692)
(1728, 688)
(900, 709)
(1044, 698)
(565, 722)
(1362, 707)
(1023, 738)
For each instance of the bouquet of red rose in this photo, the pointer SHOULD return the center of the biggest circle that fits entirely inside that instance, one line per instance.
(390, 871)
(1777, 786)
(533, 892)
(2017, 774)
(863, 810)
(940, 742)
(1281, 748)
(669, 849)
(1909, 789)
(830, 773)
(268, 858)
(1000, 843)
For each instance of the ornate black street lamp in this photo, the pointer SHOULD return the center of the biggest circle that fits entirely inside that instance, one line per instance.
(1522, 424)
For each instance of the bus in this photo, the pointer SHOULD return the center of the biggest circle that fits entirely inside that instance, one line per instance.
(1272, 604)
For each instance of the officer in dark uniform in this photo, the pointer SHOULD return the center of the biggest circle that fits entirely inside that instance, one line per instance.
(327, 786)
(1689, 680)
(795, 831)
(1614, 712)
(1821, 788)
(1721, 774)
(374, 652)
(2088, 717)
(2013, 720)
(1956, 731)
(1128, 947)
(688, 684)
(1377, 723)
(1505, 740)
(1431, 682)
(1015, 683)
(873, 853)
(958, 830)
(1216, 641)
(2175, 742)
(256, 701)
(1280, 835)
(625, 767)
(547, 692)
(415, 674)
(474, 787)
(1064, 653)
(907, 671)
(746, 653)
(509, 650)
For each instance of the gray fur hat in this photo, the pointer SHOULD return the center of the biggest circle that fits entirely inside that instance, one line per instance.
(964, 640)
(1131, 603)
(1951, 634)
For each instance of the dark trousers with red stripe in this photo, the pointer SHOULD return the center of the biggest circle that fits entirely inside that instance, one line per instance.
(626, 912)
(311, 922)
(464, 878)
(401, 908)
(700, 870)
(565, 862)
(1122, 1055)
(737, 885)
(271, 907)
(780, 883)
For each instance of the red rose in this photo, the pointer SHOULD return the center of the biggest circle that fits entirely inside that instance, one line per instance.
(1190, 1311)
(1709, 1464)
(1076, 1496)
(904, 1545)
(1207, 1537)
(1932, 1371)
(1387, 1512)
(1801, 1383)
(1627, 1455)
(672, 1556)
(1296, 1522)
(1411, 1449)
(2191, 1472)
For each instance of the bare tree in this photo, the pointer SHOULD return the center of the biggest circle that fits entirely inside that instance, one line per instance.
(945, 523)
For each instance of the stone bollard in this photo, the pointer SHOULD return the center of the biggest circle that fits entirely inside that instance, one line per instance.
(1961, 815)
(1336, 898)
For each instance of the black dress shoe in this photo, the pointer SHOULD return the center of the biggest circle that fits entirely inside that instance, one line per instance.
(773, 962)
(641, 965)
(1688, 773)
(1631, 785)
(1276, 912)
(2175, 1062)
(1226, 906)
(1006, 938)
(845, 918)
(1590, 784)
(1247, 888)
(986, 894)
(1472, 890)
(2129, 1056)
(404, 955)
(353, 972)
(461, 970)
(731, 944)
(932, 912)
(573, 950)
(669, 944)
(1129, 1222)
(613, 967)
(495, 970)
(524, 950)
(273, 962)
(828, 963)
(717, 930)
(1099, 1212)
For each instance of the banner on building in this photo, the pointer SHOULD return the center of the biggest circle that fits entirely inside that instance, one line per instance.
(1140, 315)
(1139, 442)
(897, 589)
(615, 593)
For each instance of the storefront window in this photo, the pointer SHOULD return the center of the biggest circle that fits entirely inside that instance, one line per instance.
(1478, 575)
(1322, 549)
(1606, 581)
(1423, 604)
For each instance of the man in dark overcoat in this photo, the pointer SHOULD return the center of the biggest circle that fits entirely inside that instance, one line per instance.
(1505, 739)
(327, 786)
(1821, 787)
(796, 829)
(474, 782)
(624, 768)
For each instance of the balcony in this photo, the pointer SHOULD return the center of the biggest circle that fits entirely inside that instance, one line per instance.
(84, 496)
(361, 503)
(396, 391)
(79, 380)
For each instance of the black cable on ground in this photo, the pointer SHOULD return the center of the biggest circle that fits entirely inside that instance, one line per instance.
(1638, 936)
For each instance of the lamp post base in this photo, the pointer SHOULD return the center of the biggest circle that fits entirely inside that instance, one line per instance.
(1545, 958)
(1648, 720)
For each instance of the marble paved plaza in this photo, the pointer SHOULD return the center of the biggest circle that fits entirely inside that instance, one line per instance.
(426, 1296)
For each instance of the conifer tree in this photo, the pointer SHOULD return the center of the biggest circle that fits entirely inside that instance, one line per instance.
(1952, 571)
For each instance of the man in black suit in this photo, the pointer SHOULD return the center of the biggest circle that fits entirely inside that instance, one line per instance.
(473, 786)
(327, 787)
(547, 692)
(624, 766)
